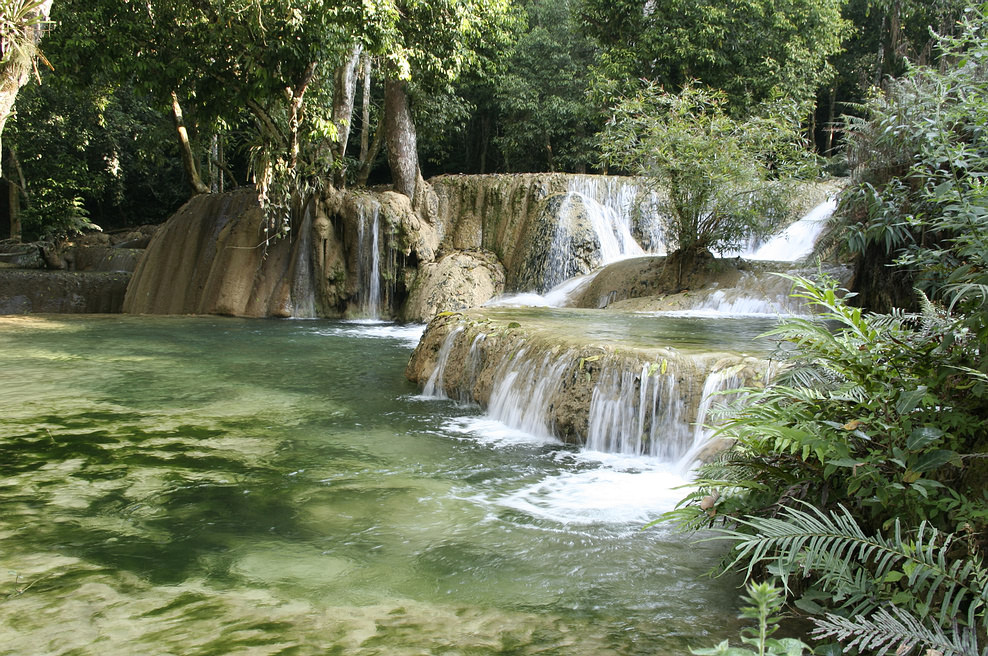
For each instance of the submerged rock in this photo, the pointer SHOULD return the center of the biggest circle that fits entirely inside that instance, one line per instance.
(61, 292)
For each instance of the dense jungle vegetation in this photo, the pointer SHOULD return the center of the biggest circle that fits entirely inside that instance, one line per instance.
(857, 479)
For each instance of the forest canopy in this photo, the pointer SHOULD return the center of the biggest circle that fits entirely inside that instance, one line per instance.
(135, 106)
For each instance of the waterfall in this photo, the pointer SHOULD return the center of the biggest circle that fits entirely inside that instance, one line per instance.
(369, 259)
(524, 389)
(638, 413)
(796, 241)
(611, 208)
(628, 210)
(559, 296)
(711, 399)
(610, 402)
(435, 386)
(303, 287)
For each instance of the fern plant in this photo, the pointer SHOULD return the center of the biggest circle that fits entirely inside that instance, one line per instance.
(904, 590)
(875, 413)
(766, 601)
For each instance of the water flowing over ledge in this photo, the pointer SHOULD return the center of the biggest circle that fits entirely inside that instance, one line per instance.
(615, 395)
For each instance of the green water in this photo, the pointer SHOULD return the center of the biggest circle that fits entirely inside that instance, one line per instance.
(222, 486)
(697, 333)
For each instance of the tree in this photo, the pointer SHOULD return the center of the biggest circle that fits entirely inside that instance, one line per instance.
(21, 25)
(721, 181)
(919, 203)
(433, 44)
(752, 50)
(547, 121)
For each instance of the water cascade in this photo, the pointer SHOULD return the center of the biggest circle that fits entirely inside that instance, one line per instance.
(436, 385)
(524, 389)
(714, 395)
(638, 413)
(629, 213)
(648, 401)
(369, 258)
(797, 240)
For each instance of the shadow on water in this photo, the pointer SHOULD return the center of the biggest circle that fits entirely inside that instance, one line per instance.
(217, 486)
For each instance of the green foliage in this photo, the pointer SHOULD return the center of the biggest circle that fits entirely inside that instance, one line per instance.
(918, 162)
(752, 50)
(547, 122)
(723, 181)
(875, 424)
(766, 603)
(90, 154)
(907, 589)
(18, 21)
(877, 414)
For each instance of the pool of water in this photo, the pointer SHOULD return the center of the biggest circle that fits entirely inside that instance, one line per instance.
(225, 486)
(688, 332)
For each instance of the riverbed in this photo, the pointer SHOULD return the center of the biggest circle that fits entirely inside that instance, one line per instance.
(178, 485)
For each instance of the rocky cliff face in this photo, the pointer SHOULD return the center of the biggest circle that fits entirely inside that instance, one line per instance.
(372, 253)
(352, 253)
(520, 217)
(211, 257)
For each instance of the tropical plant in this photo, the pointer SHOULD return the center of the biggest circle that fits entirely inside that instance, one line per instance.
(883, 415)
(909, 589)
(766, 602)
(919, 199)
(723, 181)
(856, 476)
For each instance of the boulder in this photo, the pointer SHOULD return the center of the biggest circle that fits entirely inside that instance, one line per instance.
(457, 281)
(559, 243)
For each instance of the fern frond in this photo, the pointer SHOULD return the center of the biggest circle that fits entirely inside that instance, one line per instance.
(813, 542)
(896, 628)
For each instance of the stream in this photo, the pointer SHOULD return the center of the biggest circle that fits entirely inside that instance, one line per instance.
(178, 485)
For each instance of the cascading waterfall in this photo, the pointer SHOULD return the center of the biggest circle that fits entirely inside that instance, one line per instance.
(303, 288)
(627, 210)
(523, 391)
(642, 409)
(369, 260)
(712, 398)
(610, 210)
(436, 385)
(796, 241)
(638, 413)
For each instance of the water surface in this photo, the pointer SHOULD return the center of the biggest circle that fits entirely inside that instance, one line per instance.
(226, 486)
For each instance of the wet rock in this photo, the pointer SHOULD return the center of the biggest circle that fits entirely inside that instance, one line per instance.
(457, 281)
(559, 243)
(213, 257)
(35, 292)
(533, 377)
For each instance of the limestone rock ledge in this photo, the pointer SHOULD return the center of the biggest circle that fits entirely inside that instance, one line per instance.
(611, 396)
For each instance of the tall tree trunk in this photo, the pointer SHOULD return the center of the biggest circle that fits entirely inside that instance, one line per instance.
(365, 101)
(295, 98)
(399, 131)
(344, 94)
(367, 162)
(16, 190)
(188, 159)
(831, 121)
(19, 51)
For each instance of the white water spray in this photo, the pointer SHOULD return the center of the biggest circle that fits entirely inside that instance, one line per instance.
(369, 260)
